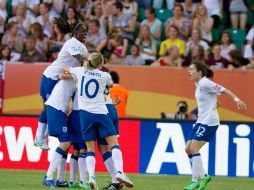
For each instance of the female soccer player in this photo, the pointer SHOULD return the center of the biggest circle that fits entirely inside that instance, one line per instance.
(72, 54)
(207, 122)
(94, 114)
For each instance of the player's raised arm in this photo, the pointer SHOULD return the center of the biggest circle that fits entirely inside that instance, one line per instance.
(240, 104)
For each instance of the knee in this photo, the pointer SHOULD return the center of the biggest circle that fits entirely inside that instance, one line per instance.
(187, 150)
(193, 149)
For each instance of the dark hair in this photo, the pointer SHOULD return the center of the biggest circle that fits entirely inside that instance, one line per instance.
(229, 36)
(2, 47)
(151, 10)
(137, 47)
(236, 55)
(201, 66)
(115, 77)
(118, 5)
(179, 5)
(76, 13)
(65, 27)
(95, 21)
(10, 25)
(38, 30)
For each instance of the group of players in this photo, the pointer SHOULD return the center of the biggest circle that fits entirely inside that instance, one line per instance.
(78, 75)
(94, 117)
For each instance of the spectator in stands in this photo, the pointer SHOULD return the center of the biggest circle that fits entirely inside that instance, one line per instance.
(54, 53)
(178, 20)
(31, 55)
(147, 45)
(94, 39)
(171, 58)
(214, 10)
(71, 15)
(172, 40)
(196, 39)
(189, 9)
(57, 7)
(96, 12)
(144, 3)
(130, 7)
(3, 16)
(5, 53)
(134, 58)
(197, 54)
(118, 46)
(122, 21)
(118, 91)
(45, 20)
(216, 60)
(238, 11)
(157, 4)
(31, 5)
(107, 6)
(236, 60)
(58, 38)
(41, 40)
(23, 20)
(12, 38)
(153, 23)
(250, 35)
(226, 44)
(203, 22)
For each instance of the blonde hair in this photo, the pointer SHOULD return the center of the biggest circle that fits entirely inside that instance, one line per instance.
(95, 59)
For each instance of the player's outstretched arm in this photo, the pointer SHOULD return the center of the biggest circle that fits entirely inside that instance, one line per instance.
(240, 104)
(65, 76)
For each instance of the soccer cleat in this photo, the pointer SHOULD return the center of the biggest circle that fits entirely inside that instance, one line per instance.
(122, 178)
(204, 182)
(48, 183)
(92, 183)
(192, 185)
(84, 185)
(41, 144)
(62, 183)
(114, 186)
(74, 185)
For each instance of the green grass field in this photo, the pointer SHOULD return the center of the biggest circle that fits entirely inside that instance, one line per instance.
(31, 180)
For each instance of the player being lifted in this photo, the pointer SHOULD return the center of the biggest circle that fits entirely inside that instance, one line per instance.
(72, 54)
(94, 114)
(207, 122)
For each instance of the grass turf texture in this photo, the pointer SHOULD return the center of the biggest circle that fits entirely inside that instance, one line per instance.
(31, 180)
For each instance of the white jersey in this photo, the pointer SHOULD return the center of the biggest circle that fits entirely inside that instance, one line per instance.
(107, 97)
(65, 58)
(206, 97)
(61, 95)
(91, 86)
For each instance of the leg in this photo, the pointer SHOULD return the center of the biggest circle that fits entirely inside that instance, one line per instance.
(234, 20)
(243, 21)
(83, 167)
(170, 4)
(157, 4)
(74, 165)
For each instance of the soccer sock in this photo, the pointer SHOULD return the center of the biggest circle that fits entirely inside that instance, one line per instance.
(190, 158)
(117, 158)
(62, 168)
(41, 131)
(197, 167)
(90, 162)
(55, 161)
(82, 167)
(73, 168)
(107, 158)
(46, 132)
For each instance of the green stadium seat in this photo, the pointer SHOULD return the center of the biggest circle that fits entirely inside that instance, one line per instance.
(163, 32)
(9, 7)
(238, 37)
(136, 31)
(250, 18)
(216, 34)
(141, 14)
(163, 14)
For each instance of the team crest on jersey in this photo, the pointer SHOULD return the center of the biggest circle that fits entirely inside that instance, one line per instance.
(217, 88)
(65, 129)
(201, 89)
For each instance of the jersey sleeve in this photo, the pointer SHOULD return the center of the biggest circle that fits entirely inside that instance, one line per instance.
(212, 87)
(74, 72)
(73, 48)
(109, 80)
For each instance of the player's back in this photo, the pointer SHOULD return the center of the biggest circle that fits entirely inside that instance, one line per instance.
(122, 93)
(65, 58)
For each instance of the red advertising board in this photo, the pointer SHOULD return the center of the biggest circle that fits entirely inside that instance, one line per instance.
(18, 152)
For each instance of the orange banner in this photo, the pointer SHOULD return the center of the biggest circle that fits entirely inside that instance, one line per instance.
(152, 90)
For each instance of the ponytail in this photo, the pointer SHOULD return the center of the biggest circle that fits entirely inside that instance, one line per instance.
(62, 25)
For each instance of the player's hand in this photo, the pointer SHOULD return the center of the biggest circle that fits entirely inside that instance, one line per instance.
(117, 100)
(241, 105)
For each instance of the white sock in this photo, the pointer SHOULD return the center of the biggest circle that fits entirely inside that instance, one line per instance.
(117, 158)
(46, 132)
(82, 167)
(197, 167)
(73, 168)
(111, 169)
(41, 131)
(90, 163)
(61, 170)
(54, 163)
